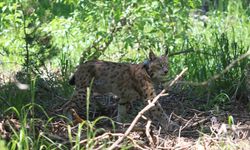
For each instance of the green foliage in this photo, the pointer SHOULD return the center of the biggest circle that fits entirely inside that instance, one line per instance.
(37, 35)
(25, 136)
(2, 145)
(34, 33)
(221, 100)
(230, 120)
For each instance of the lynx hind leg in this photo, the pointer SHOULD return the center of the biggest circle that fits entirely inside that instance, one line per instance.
(77, 103)
(157, 114)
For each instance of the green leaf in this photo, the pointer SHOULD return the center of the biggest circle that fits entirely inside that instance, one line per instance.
(230, 120)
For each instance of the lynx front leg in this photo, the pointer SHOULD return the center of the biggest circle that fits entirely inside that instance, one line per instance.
(121, 112)
(124, 103)
(158, 115)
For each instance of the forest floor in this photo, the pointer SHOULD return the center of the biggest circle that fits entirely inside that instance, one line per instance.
(200, 129)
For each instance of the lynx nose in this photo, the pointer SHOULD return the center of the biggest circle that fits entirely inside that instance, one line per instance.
(165, 70)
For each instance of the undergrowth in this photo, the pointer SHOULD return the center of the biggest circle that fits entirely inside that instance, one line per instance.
(40, 47)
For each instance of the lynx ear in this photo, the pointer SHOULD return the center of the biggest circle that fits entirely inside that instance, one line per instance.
(167, 51)
(152, 55)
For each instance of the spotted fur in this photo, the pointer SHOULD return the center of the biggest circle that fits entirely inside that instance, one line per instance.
(127, 81)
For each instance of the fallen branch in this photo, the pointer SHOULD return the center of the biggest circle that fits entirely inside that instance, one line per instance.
(151, 142)
(200, 121)
(216, 76)
(187, 123)
(149, 106)
(109, 135)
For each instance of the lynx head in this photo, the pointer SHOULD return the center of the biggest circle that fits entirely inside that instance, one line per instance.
(157, 67)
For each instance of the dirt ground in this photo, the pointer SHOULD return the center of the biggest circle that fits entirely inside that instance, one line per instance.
(200, 128)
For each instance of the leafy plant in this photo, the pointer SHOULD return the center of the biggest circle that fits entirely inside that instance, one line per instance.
(54, 36)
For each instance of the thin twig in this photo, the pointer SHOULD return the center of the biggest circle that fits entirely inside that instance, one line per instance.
(179, 117)
(200, 121)
(107, 39)
(109, 135)
(151, 142)
(216, 76)
(103, 136)
(188, 123)
(181, 52)
(177, 77)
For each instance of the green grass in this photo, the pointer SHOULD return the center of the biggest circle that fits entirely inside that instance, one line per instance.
(25, 134)
(214, 44)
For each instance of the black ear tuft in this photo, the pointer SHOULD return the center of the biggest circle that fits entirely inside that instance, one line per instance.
(146, 64)
(151, 56)
(72, 80)
(167, 51)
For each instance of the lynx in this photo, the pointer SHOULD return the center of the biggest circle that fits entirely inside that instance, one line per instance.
(127, 81)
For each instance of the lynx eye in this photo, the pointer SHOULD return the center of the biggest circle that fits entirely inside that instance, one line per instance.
(157, 67)
(162, 64)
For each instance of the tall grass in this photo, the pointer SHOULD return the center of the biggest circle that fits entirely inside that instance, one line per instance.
(25, 134)
(215, 42)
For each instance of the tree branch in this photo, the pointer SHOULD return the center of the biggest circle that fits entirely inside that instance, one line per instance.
(216, 76)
